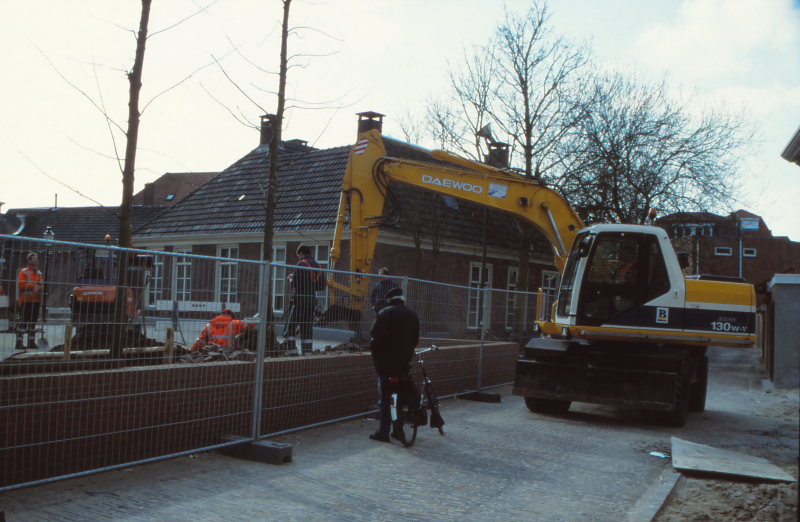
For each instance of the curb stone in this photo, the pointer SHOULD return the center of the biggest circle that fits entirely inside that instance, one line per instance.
(657, 495)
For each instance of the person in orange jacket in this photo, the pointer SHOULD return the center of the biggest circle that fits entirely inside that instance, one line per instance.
(221, 330)
(30, 284)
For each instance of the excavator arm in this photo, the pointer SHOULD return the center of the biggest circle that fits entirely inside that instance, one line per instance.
(365, 189)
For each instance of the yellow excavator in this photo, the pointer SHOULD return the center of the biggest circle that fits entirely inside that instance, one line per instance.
(627, 329)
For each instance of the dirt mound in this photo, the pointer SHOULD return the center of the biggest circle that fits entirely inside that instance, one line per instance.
(711, 499)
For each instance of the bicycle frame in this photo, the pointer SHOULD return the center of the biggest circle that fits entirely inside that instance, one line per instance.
(436, 420)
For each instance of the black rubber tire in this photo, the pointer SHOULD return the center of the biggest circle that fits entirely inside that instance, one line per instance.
(697, 396)
(405, 427)
(677, 418)
(539, 405)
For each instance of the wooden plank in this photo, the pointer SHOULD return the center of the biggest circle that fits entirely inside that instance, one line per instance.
(169, 346)
(689, 456)
(67, 341)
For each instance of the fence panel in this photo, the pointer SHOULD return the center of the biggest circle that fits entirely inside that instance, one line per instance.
(170, 372)
(86, 387)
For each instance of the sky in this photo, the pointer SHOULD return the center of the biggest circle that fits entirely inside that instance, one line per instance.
(208, 79)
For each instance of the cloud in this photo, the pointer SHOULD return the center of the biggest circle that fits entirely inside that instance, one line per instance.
(713, 38)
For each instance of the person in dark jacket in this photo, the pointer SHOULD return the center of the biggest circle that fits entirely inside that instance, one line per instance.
(378, 297)
(301, 313)
(394, 337)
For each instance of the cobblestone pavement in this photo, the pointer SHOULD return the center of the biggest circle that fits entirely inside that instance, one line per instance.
(497, 462)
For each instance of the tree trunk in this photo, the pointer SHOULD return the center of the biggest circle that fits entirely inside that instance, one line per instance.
(276, 121)
(126, 208)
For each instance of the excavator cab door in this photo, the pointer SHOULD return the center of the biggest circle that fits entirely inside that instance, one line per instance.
(611, 290)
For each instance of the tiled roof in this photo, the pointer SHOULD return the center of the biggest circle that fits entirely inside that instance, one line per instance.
(78, 224)
(172, 187)
(309, 184)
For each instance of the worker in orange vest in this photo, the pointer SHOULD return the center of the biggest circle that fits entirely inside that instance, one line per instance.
(30, 284)
(221, 330)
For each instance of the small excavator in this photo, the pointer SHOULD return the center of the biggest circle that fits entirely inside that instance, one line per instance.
(627, 329)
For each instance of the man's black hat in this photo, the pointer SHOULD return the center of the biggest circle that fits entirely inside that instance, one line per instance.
(394, 293)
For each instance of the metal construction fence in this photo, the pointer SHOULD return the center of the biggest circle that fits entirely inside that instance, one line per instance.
(189, 360)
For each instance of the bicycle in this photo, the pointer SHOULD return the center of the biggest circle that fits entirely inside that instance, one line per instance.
(408, 405)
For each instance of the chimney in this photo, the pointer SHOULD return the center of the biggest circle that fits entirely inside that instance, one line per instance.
(266, 129)
(498, 155)
(148, 195)
(370, 120)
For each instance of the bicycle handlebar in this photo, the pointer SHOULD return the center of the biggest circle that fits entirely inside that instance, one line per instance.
(433, 347)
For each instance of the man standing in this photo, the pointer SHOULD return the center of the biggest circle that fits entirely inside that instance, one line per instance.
(306, 280)
(29, 297)
(383, 286)
(221, 330)
(394, 337)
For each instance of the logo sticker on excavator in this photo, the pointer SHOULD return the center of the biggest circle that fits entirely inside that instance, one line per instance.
(361, 146)
(662, 315)
(497, 191)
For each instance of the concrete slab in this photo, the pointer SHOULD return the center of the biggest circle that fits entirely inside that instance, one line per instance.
(266, 452)
(689, 456)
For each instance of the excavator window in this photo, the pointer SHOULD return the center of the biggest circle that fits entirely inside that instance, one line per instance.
(611, 290)
(568, 277)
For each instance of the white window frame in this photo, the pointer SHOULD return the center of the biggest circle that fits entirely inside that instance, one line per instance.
(278, 279)
(186, 290)
(749, 252)
(322, 296)
(511, 286)
(723, 251)
(549, 293)
(155, 289)
(473, 301)
(229, 271)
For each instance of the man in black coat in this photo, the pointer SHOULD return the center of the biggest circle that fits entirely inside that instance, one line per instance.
(378, 297)
(394, 337)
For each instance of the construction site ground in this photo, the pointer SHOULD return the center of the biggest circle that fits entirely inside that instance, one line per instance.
(496, 462)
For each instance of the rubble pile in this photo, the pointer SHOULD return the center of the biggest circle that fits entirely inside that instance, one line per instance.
(214, 353)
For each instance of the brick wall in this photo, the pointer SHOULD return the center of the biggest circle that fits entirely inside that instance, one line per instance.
(61, 424)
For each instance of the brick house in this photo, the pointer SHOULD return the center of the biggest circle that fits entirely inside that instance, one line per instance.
(737, 245)
(225, 218)
(171, 188)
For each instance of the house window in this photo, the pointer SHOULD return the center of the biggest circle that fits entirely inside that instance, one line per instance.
(228, 271)
(278, 278)
(321, 254)
(549, 291)
(723, 251)
(156, 286)
(183, 275)
(701, 229)
(511, 286)
(474, 301)
(748, 223)
(749, 252)
(170, 197)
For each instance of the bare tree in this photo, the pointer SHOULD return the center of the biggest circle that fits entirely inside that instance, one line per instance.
(524, 83)
(126, 208)
(636, 147)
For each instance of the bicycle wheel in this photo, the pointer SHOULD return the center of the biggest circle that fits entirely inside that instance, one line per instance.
(436, 420)
(404, 428)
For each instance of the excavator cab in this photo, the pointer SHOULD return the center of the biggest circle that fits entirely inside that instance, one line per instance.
(612, 279)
